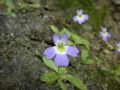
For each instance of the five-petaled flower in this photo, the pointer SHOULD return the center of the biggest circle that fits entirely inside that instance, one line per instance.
(60, 51)
(118, 47)
(80, 18)
(104, 34)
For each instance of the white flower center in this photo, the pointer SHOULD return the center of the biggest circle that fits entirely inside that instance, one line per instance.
(80, 16)
(104, 34)
(60, 48)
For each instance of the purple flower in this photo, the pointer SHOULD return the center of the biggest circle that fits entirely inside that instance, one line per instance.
(60, 51)
(118, 47)
(80, 18)
(104, 34)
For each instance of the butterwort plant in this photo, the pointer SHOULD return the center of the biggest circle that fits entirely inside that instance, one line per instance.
(104, 34)
(61, 50)
(80, 18)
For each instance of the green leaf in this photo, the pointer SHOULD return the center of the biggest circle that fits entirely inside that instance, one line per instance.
(49, 77)
(62, 70)
(62, 85)
(35, 5)
(88, 61)
(84, 54)
(76, 82)
(70, 43)
(54, 29)
(65, 30)
(50, 64)
(9, 3)
(79, 40)
(24, 5)
(116, 71)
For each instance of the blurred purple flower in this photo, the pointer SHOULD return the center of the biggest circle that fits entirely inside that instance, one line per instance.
(104, 34)
(60, 51)
(118, 47)
(80, 18)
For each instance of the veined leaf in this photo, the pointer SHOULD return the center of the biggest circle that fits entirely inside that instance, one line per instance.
(49, 77)
(54, 29)
(62, 70)
(65, 30)
(84, 54)
(50, 64)
(9, 3)
(79, 40)
(76, 82)
(116, 71)
(70, 43)
(24, 5)
(62, 85)
(88, 61)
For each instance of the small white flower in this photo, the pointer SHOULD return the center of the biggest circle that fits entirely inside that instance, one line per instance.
(80, 18)
(104, 34)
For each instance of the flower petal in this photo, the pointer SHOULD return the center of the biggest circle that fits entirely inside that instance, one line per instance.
(104, 29)
(75, 18)
(100, 34)
(86, 17)
(81, 21)
(56, 39)
(64, 38)
(109, 35)
(72, 51)
(61, 60)
(105, 38)
(50, 52)
(79, 12)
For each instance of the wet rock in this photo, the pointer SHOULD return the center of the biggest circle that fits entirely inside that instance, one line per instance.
(20, 38)
(1, 65)
(2, 23)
